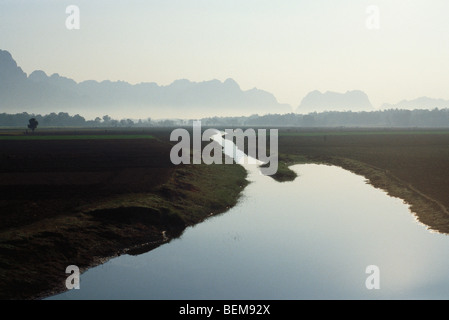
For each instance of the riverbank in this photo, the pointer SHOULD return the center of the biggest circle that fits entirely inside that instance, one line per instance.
(34, 257)
(412, 165)
(82, 202)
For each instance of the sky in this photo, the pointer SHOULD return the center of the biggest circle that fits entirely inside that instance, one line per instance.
(390, 49)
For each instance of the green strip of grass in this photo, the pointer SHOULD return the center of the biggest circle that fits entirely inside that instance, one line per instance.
(75, 137)
(361, 132)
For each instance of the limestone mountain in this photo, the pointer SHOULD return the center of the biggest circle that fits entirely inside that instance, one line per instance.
(42, 93)
(317, 101)
(418, 103)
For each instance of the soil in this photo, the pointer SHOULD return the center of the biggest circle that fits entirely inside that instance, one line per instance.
(81, 202)
(411, 165)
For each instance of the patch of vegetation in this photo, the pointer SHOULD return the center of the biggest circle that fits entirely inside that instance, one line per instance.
(77, 137)
(34, 255)
(348, 132)
(82, 202)
(411, 165)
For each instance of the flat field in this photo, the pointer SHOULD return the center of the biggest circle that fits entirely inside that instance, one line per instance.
(409, 164)
(82, 196)
(83, 199)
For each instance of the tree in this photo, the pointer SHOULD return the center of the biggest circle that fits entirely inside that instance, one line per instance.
(33, 124)
(106, 119)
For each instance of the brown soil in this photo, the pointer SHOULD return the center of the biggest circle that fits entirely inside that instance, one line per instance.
(81, 202)
(413, 167)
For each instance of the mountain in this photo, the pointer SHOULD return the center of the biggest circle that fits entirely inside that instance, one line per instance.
(316, 101)
(418, 103)
(13, 81)
(9, 71)
(41, 93)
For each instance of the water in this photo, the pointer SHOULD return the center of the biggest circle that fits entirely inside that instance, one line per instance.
(308, 239)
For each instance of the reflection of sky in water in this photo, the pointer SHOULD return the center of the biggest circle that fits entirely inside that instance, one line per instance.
(307, 239)
(231, 150)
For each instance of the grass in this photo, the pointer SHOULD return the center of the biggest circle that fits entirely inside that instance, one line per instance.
(283, 172)
(413, 166)
(346, 132)
(76, 137)
(134, 193)
(69, 201)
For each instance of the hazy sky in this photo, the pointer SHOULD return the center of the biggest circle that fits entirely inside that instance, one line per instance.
(286, 47)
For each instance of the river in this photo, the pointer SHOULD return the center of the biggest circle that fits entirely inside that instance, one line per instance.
(311, 238)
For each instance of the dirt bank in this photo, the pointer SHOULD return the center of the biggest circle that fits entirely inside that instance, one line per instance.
(410, 166)
(82, 202)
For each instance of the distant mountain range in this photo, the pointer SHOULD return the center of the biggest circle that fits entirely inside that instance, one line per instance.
(316, 101)
(40, 93)
(419, 103)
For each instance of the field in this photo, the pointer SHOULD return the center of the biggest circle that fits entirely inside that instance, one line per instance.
(80, 201)
(73, 137)
(410, 164)
(82, 196)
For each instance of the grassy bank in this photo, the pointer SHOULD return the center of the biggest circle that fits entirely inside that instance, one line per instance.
(34, 256)
(83, 201)
(410, 165)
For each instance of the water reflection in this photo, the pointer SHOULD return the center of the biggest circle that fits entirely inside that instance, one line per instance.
(311, 238)
(231, 150)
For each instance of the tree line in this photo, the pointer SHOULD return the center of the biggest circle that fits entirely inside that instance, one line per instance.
(436, 118)
(63, 119)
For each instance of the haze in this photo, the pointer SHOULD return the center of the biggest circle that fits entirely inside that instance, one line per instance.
(288, 48)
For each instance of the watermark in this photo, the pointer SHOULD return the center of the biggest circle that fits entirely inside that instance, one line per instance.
(73, 22)
(226, 309)
(72, 281)
(372, 21)
(223, 142)
(373, 280)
